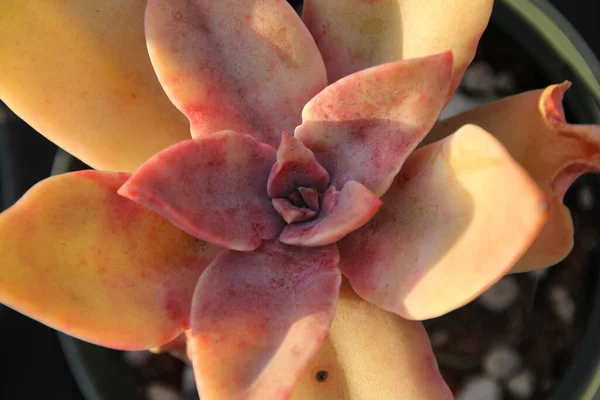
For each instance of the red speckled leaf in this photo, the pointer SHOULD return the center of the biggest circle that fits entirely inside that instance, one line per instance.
(212, 187)
(82, 259)
(364, 126)
(532, 127)
(459, 215)
(296, 167)
(356, 34)
(259, 317)
(341, 213)
(244, 65)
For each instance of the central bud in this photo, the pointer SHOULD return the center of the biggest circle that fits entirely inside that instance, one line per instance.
(301, 205)
(296, 181)
(302, 193)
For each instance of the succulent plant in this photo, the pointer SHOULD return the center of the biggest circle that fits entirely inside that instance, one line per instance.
(315, 154)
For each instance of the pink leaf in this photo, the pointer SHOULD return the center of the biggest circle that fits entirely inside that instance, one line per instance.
(244, 65)
(212, 187)
(258, 318)
(291, 213)
(341, 213)
(364, 126)
(457, 218)
(310, 197)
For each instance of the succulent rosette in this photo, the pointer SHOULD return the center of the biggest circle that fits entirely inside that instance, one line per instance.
(317, 211)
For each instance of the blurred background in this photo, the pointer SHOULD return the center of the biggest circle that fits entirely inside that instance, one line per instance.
(531, 336)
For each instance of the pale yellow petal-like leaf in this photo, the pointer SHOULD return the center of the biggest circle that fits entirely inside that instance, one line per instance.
(78, 71)
(372, 354)
(533, 129)
(82, 259)
(356, 34)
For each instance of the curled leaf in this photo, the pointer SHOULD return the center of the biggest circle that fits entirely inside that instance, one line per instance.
(533, 129)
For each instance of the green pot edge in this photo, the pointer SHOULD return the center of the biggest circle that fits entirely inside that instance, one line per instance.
(563, 38)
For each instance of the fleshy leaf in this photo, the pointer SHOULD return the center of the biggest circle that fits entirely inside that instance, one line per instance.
(244, 65)
(212, 187)
(296, 167)
(341, 213)
(364, 126)
(372, 354)
(356, 34)
(258, 318)
(82, 259)
(79, 73)
(459, 215)
(310, 197)
(291, 213)
(532, 127)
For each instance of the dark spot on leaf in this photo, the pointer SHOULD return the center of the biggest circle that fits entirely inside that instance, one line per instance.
(322, 375)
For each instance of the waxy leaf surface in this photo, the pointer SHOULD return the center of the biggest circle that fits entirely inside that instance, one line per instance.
(356, 34)
(244, 65)
(364, 126)
(213, 187)
(459, 215)
(79, 73)
(82, 259)
(259, 317)
(533, 129)
(372, 354)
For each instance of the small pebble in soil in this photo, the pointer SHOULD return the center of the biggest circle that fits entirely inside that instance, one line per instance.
(188, 382)
(439, 338)
(479, 78)
(585, 198)
(547, 384)
(157, 391)
(539, 273)
(563, 304)
(462, 102)
(500, 296)
(137, 358)
(505, 82)
(501, 362)
(480, 388)
(522, 385)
